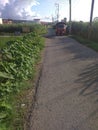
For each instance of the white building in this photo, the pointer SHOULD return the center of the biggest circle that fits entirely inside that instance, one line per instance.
(37, 21)
(1, 22)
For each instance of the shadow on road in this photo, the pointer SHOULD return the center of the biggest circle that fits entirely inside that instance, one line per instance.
(80, 51)
(89, 89)
(89, 79)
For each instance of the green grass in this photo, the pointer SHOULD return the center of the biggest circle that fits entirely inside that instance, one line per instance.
(5, 39)
(17, 102)
(19, 115)
(86, 42)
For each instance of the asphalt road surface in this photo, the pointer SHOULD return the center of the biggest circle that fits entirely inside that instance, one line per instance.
(67, 96)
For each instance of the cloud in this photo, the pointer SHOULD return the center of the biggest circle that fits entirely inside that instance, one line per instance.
(3, 2)
(18, 9)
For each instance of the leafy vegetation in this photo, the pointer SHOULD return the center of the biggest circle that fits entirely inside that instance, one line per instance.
(5, 39)
(17, 65)
(18, 29)
(82, 29)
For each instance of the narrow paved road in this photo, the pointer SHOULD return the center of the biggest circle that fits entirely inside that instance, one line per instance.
(67, 97)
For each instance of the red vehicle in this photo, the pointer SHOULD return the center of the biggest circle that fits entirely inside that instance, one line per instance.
(60, 28)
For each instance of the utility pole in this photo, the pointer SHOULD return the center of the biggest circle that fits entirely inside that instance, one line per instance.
(70, 10)
(70, 6)
(91, 17)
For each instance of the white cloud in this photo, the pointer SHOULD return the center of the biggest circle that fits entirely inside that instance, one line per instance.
(3, 2)
(17, 9)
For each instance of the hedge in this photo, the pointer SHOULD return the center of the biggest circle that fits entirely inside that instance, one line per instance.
(17, 63)
(82, 29)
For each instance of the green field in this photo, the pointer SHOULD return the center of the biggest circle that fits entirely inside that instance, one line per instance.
(5, 39)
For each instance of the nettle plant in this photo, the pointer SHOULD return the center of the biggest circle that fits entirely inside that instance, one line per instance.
(17, 62)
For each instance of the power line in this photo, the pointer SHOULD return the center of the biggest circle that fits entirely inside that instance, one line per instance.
(57, 11)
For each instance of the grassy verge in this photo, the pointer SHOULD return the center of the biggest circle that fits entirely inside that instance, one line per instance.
(23, 102)
(86, 42)
(18, 64)
(5, 39)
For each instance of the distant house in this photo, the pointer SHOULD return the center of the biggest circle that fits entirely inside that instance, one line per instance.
(36, 21)
(7, 21)
(1, 22)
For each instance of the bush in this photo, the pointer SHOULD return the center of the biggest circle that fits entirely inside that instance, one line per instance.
(13, 28)
(17, 63)
(94, 33)
(4, 28)
(82, 29)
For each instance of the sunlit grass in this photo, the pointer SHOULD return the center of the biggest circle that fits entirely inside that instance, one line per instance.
(5, 39)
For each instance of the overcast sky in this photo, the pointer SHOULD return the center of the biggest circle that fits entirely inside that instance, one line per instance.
(45, 9)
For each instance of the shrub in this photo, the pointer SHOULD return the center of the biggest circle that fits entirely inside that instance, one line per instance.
(17, 64)
(82, 29)
(12, 28)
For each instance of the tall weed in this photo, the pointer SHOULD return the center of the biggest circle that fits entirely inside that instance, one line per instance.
(82, 29)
